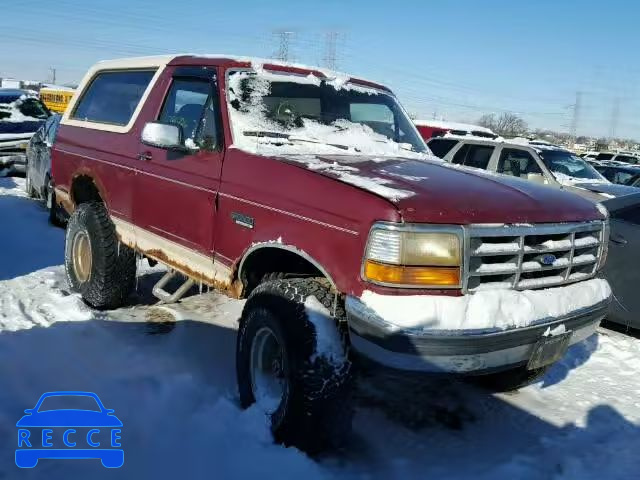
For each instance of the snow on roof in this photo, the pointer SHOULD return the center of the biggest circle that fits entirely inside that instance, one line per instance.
(467, 127)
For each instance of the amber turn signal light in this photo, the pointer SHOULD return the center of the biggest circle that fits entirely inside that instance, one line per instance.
(419, 276)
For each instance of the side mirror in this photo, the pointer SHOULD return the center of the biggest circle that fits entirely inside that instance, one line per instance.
(162, 135)
(29, 411)
(537, 178)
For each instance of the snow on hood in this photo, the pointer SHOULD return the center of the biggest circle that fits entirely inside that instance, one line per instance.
(430, 190)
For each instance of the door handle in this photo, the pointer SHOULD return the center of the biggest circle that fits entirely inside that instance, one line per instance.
(618, 239)
(144, 156)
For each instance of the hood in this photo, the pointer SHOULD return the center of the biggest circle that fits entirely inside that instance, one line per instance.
(18, 128)
(433, 191)
(601, 191)
(69, 418)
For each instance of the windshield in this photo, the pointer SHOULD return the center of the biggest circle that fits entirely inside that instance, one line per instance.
(22, 109)
(296, 114)
(569, 168)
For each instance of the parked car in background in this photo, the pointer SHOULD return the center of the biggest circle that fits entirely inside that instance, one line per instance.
(56, 98)
(438, 128)
(237, 174)
(618, 172)
(38, 174)
(616, 157)
(540, 163)
(21, 114)
(623, 262)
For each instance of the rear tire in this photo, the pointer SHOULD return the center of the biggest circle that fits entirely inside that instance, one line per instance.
(98, 267)
(314, 410)
(28, 186)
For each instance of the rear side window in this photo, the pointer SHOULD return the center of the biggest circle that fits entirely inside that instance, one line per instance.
(461, 154)
(518, 163)
(440, 147)
(112, 97)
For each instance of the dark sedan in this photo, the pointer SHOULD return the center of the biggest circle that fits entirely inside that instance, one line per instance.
(622, 174)
(623, 262)
(38, 176)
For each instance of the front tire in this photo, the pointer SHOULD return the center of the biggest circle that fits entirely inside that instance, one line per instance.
(305, 395)
(98, 267)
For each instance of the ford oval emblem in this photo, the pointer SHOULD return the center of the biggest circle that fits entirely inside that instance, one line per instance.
(547, 259)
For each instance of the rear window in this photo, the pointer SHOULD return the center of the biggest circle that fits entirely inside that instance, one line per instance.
(112, 97)
(440, 147)
(604, 156)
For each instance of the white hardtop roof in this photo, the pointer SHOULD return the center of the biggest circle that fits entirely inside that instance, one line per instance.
(467, 127)
(256, 62)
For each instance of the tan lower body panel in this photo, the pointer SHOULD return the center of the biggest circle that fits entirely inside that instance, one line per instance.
(201, 268)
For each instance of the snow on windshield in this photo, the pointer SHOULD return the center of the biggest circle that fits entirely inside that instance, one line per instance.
(274, 113)
(569, 169)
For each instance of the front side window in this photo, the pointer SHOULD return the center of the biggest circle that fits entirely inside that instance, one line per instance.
(112, 97)
(190, 105)
(630, 215)
(518, 163)
(479, 156)
(626, 159)
(569, 168)
(306, 114)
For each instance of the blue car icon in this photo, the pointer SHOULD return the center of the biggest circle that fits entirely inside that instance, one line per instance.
(69, 425)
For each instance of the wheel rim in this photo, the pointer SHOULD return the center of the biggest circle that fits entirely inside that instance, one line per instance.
(81, 256)
(267, 371)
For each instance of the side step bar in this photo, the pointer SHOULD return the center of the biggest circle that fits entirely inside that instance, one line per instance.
(165, 297)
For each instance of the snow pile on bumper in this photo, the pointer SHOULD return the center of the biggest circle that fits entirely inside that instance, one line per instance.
(486, 310)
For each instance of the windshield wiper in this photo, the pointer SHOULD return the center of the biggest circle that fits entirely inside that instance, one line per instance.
(292, 138)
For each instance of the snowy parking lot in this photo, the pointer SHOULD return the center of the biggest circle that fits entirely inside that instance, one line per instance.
(169, 374)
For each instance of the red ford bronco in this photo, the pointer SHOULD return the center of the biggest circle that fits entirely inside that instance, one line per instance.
(312, 195)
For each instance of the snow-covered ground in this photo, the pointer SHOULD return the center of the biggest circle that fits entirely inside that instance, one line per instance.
(169, 374)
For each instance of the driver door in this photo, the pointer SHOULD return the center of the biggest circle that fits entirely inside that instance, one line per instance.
(175, 190)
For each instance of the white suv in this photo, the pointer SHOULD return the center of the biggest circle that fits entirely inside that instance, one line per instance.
(545, 164)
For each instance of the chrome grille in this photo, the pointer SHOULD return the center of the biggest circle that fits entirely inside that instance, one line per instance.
(532, 256)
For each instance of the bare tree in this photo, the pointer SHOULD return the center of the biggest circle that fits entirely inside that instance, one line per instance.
(507, 124)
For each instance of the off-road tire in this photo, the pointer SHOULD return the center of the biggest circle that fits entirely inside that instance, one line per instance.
(316, 412)
(511, 380)
(57, 216)
(113, 265)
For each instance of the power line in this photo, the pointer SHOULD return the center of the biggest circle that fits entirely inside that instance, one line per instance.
(284, 42)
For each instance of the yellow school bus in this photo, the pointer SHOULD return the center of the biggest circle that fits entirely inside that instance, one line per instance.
(56, 99)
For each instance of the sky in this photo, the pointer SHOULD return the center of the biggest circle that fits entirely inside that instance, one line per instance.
(452, 60)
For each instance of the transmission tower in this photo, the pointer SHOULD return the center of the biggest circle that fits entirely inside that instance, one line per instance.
(615, 117)
(330, 59)
(577, 110)
(284, 38)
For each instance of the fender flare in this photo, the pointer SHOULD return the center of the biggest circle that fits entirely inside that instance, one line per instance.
(289, 248)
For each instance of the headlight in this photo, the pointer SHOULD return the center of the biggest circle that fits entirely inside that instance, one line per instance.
(414, 256)
(23, 146)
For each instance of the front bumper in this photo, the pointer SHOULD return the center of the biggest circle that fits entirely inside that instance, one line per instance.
(13, 162)
(464, 352)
